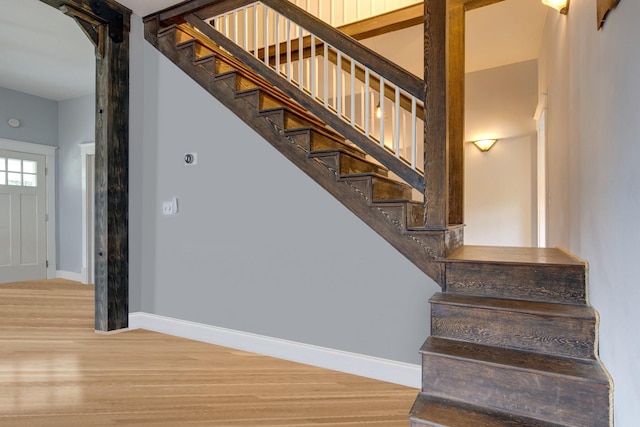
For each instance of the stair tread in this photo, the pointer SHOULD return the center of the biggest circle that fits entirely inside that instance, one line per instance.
(523, 306)
(514, 255)
(581, 369)
(434, 411)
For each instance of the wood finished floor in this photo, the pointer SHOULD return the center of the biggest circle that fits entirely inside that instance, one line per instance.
(56, 371)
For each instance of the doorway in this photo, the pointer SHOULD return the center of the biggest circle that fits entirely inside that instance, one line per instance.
(27, 245)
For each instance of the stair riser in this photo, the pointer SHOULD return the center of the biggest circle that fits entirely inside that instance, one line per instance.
(562, 336)
(402, 213)
(542, 396)
(561, 284)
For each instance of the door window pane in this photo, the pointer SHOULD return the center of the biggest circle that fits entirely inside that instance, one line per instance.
(3, 164)
(29, 180)
(15, 165)
(15, 178)
(29, 166)
(3, 178)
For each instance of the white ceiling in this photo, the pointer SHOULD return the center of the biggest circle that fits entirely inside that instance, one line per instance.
(44, 52)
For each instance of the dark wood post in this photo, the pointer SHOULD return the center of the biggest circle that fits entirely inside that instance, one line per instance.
(107, 24)
(455, 107)
(435, 115)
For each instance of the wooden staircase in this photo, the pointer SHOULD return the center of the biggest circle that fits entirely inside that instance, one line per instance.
(513, 340)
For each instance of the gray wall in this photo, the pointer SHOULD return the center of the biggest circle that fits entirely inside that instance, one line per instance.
(76, 126)
(39, 117)
(257, 246)
(597, 103)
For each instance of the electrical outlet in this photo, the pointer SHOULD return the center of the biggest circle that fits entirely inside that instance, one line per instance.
(170, 207)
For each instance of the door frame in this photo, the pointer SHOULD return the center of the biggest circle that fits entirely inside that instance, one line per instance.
(86, 150)
(49, 152)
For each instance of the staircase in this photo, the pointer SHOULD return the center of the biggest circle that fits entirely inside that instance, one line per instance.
(513, 339)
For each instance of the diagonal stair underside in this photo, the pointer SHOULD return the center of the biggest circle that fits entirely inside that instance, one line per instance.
(344, 170)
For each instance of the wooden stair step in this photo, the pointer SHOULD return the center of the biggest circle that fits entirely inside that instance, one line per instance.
(378, 188)
(559, 329)
(343, 162)
(212, 64)
(534, 274)
(408, 213)
(437, 412)
(315, 139)
(556, 389)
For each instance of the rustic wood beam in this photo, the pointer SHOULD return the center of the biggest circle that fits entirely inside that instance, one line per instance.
(385, 23)
(107, 24)
(435, 115)
(455, 109)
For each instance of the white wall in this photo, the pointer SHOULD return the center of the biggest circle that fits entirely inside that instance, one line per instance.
(257, 246)
(597, 104)
(499, 192)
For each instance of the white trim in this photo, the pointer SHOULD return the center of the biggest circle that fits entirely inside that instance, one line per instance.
(49, 152)
(86, 150)
(69, 275)
(352, 363)
(541, 171)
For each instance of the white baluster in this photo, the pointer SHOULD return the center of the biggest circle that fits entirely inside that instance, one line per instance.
(300, 58)
(367, 103)
(382, 111)
(266, 35)
(353, 92)
(414, 136)
(277, 40)
(255, 30)
(326, 75)
(397, 123)
(245, 40)
(314, 83)
(288, 49)
(339, 83)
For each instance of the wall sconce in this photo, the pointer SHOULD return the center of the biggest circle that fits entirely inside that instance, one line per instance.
(561, 6)
(378, 111)
(484, 145)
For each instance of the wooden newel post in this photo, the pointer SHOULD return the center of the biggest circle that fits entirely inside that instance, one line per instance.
(435, 115)
(107, 24)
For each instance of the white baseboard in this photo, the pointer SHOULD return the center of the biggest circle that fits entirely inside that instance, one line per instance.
(352, 363)
(69, 275)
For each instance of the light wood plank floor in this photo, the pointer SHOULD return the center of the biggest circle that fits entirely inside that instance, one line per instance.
(55, 371)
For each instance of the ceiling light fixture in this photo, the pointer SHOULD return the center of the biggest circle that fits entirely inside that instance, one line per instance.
(561, 6)
(484, 145)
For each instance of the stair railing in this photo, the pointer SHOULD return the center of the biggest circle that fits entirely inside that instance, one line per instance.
(374, 103)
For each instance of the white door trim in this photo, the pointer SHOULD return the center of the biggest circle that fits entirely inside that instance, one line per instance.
(541, 120)
(49, 152)
(86, 150)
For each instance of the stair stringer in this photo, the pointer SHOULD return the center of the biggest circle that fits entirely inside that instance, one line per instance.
(422, 247)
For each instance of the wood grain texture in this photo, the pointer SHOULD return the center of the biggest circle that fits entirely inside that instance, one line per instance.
(436, 161)
(512, 382)
(56, 372)
(437, 412)
(555, 329)
(382, 24)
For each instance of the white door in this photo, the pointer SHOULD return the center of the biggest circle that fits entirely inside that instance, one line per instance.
(23, 242)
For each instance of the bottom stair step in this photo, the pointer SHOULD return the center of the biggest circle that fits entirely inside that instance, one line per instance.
(572, 392)
(432, 411)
